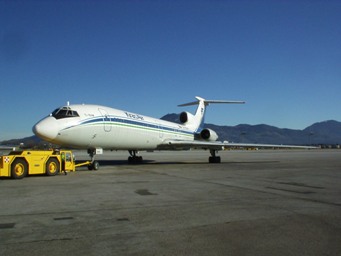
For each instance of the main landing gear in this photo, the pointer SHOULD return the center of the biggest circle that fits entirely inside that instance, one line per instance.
(134, 159)
(94, 165)
(213, 159)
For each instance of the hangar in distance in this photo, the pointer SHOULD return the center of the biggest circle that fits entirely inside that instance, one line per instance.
(97, 128)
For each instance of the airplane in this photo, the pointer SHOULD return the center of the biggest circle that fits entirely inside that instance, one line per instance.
(97, 128)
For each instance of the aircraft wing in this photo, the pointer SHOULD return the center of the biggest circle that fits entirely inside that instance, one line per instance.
(218, 145)
(186, 144)
(251, 145)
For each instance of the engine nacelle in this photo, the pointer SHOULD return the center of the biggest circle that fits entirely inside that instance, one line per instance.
(208, 134)
(186, 117)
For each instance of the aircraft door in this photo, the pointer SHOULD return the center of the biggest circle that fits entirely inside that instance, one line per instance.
(160, 131)
(106, 120)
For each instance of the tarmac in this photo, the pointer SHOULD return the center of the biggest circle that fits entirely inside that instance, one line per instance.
(266, 202)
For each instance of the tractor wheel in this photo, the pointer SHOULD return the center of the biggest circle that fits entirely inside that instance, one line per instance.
(19, 169)
(52, 167)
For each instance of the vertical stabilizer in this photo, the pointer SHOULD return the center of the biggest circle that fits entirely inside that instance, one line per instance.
(196, 122)
(199, 116)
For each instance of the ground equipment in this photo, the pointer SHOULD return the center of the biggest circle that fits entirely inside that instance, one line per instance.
(18, 164)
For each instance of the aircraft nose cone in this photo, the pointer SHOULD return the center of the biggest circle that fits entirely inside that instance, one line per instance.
(46, 129)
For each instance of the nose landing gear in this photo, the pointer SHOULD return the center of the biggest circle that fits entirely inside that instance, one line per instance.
(94, 165)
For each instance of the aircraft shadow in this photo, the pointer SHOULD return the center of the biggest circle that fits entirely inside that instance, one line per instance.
(144, 162)
(154, 162)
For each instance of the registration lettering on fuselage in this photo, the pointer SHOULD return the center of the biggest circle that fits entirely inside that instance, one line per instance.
(134, 116)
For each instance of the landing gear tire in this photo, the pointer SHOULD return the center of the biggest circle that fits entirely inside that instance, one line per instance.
(93, 166)
(214, 159)
(135, 159)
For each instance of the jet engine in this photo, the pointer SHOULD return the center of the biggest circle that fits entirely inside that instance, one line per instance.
(186, 117)
(208, 134)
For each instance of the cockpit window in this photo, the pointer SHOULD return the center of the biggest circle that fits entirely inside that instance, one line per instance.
(64, 112)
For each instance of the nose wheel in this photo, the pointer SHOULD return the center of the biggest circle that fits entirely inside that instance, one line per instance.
(94, 165)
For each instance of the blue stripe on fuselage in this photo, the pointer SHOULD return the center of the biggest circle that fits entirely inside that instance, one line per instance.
(116, 120)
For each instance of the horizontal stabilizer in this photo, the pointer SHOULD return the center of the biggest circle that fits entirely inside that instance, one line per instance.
(207, 102)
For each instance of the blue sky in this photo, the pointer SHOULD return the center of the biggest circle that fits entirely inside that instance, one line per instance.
(282, 57)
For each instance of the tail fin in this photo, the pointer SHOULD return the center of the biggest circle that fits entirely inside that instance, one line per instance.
(197, 121)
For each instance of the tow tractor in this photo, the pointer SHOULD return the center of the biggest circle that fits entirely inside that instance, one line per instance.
(18, 164)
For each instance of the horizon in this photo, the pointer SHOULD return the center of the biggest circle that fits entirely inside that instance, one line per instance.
(282, 58)
(33, 135)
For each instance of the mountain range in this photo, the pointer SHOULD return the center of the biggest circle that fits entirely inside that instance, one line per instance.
(322, 133)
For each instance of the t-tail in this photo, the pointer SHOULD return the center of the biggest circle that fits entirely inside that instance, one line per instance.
(196, 122)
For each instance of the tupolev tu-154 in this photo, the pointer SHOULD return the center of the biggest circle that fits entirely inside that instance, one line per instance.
(97, 128)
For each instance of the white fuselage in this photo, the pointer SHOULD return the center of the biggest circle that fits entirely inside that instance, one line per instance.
(95, 126)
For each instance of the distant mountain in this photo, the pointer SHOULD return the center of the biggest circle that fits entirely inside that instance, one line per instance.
(327, 132)
(27, 142)
(323, 133)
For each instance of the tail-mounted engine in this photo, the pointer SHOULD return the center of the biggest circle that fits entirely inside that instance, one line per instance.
(205, 134)
(186, 117)
(208, 134)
